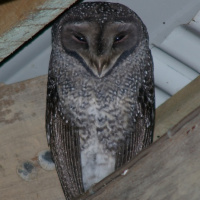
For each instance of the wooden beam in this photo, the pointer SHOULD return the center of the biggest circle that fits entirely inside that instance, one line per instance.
(21, 19)
(177, 108)
(22, 137)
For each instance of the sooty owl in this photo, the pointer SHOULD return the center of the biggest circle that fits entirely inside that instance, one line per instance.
(100, 93)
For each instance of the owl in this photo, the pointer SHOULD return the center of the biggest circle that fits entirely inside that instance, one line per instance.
(100, 93)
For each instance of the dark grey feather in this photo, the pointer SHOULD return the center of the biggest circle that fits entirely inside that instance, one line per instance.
(100, 93)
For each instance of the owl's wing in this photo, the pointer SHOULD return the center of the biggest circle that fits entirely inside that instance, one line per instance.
(142, 120)
(63, 139)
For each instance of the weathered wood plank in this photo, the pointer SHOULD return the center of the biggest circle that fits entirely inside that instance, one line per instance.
(21, 19)
(22, 136)
(177, 107)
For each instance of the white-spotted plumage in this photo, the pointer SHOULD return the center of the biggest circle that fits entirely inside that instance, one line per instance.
(100, 93)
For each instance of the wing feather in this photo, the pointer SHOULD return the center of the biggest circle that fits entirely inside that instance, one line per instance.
(142, 120)
(63, 139)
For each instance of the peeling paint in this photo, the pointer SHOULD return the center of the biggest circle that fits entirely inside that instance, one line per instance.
(34, 22)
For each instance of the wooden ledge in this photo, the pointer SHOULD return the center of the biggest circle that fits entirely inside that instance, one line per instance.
(22, 19)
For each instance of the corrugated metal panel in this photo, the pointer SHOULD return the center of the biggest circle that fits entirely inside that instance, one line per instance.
(170, 74)
(176, 59)
(184, 44)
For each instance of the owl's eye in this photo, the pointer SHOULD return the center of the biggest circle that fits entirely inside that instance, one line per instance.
(119, 38)
(79, 38)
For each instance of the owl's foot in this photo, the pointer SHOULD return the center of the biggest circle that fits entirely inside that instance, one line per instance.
(45, 160)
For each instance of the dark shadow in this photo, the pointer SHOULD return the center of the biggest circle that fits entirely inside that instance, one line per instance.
(5, 1)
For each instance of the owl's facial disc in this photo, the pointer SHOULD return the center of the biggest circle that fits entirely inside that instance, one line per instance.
(100, 45)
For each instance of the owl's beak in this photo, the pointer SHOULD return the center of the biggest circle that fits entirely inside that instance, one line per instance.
(100, 65)
(99, 68)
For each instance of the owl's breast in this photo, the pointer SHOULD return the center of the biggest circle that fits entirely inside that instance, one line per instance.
(99, 111)
(102, 110)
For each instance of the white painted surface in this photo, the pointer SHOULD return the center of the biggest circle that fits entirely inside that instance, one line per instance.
(170, 74)
(184, 44)
(161, 96)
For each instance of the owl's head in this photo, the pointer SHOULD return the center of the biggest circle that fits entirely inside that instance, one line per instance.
(100, 33)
